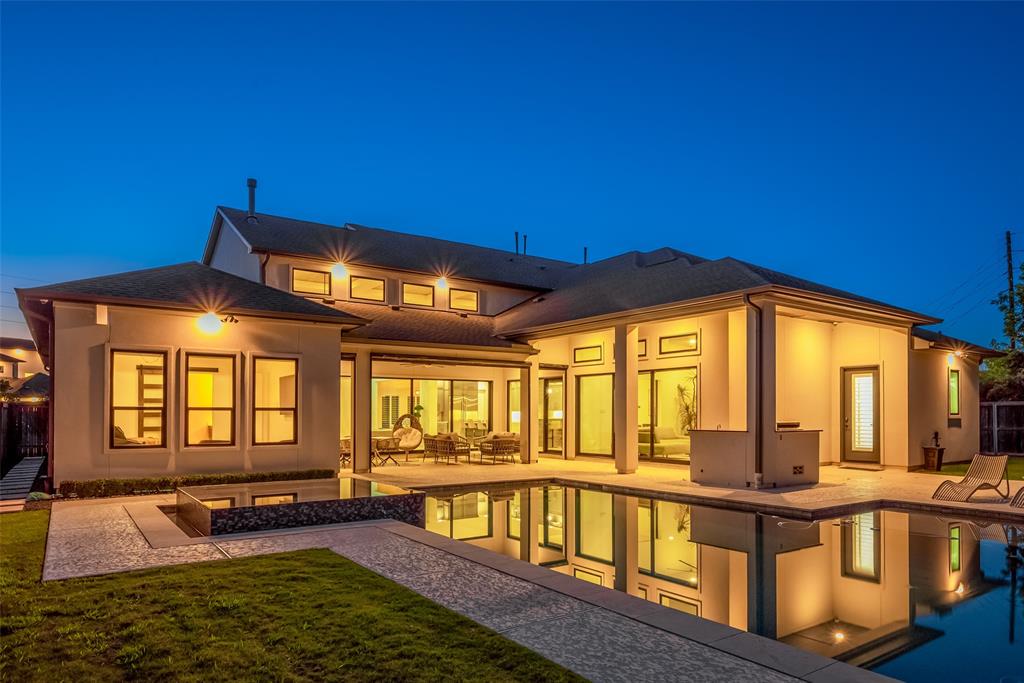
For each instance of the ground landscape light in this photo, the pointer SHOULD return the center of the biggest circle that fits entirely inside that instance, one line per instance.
(209, 323)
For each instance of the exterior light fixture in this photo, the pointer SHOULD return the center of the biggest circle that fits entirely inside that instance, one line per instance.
(339, 271)
(209, 323)
(839, 636)
(959, 353)
(442, 283)
(960, 588)
(19, 352)
(949, 359)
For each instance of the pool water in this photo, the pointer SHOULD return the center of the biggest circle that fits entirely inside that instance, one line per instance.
(915, 596)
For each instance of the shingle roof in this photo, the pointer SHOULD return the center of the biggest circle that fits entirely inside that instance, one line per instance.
(945, 342)
(358, 244)
(190, 286)
(36, 385)
(10, 359)
(637, 280)
(416, 325)
(17, 343)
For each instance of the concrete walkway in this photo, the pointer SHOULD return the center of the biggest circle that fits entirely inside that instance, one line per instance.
(599, 633)
(840, 490)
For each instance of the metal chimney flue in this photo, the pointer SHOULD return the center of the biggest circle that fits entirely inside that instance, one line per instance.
(524, 244)
(584, 256)
(517, 242)
(251, 183)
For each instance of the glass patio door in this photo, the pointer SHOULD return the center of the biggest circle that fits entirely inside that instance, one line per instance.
(594, 407)
(861, 441)
(552, 414)
(666, 412)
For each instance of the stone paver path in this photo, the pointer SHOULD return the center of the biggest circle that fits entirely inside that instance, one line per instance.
(601, 634)
(17, 483)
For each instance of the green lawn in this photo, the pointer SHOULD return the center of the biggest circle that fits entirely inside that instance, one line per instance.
(305, 615)
(1015, 469)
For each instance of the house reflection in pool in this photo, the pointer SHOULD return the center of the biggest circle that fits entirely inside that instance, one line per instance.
(847, 588)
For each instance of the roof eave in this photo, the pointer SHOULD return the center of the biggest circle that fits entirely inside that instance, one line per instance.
(348, 321)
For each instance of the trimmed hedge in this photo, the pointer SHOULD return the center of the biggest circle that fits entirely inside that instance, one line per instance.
(104, 488)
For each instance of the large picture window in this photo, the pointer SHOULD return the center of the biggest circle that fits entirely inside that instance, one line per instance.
(443, 406)
(311, 281)
(275, 397)
(463, 300)
(594, 399)
(138, 399)
(209, 400)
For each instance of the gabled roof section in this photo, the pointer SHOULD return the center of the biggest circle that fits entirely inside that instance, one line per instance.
(17, 343)
(375, 247)
(426, 327)
(190, 286)
(10, 359)
(937, 340)
(635, 281)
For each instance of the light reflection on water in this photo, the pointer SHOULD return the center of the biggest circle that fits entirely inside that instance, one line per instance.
(912, 595)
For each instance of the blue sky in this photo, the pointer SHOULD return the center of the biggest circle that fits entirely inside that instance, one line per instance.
(873, 147)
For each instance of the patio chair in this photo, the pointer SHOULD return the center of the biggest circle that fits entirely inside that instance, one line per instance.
(1018, 500)
(985, 472)
(447, 447)
(406, 436)
(345, 452)
(499, 446)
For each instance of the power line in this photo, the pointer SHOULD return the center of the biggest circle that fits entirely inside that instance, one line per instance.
(21, 277)
(970, 278)
(990, 281)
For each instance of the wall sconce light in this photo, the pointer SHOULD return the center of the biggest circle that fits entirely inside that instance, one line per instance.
(339, 271)
(211, 323)
(960, 588)
(442, 283)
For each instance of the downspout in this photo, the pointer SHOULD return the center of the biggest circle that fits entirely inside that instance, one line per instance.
(264, 260)
(759, 381)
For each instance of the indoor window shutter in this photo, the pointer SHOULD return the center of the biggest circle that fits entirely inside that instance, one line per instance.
(864, 412)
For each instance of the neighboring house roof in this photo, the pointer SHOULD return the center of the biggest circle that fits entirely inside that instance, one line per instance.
(640, 280)
(947, 343)
(374, 247)
(190, 286)
(37, 385)
(432, 327)
(10, 359)
(17, 343)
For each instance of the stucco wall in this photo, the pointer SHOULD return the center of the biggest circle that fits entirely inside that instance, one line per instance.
(929, 372)
(81, 449)
(231, 255)
(810, 357)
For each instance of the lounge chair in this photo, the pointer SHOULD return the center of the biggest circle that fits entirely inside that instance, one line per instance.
(985, 472)
(447, 447)
(406, 436)
(1018, 500)
(499, 446)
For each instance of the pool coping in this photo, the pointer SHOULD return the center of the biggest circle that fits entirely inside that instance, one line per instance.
(1010, 515)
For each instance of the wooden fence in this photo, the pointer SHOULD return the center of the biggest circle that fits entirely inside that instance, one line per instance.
(23, 432)
(1002, 427)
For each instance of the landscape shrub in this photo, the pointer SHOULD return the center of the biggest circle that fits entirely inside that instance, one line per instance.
(104, 488)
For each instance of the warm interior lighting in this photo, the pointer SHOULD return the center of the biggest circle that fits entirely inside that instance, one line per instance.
(557, 414)
(209, 323)
(839, 636)
(20, 353)
(960, 588)
(516, 416)
(442, 283)
(339, 271)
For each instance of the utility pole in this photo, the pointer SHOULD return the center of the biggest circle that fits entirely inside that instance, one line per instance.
(1012, 309)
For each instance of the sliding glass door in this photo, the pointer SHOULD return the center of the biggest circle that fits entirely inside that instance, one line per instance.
(667, 411)
(443, 405)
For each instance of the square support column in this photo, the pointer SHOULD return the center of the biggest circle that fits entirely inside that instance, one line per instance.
(627, 569)
(765, 395)
(626, 447)
(529, 378)
(362, 380)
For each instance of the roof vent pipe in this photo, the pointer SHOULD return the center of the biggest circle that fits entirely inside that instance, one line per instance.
(517, 242)
(584, 256)
(524, 244)
(251, 183)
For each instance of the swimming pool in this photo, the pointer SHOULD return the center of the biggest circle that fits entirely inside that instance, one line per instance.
(913, 595)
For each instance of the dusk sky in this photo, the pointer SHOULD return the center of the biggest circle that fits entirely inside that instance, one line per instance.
(876, 148)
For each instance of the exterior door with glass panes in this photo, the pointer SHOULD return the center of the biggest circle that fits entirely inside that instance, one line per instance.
(861, 415)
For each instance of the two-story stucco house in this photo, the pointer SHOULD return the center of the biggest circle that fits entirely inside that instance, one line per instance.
(292, 336)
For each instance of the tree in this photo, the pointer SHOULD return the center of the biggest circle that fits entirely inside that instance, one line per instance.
(1002, 379)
